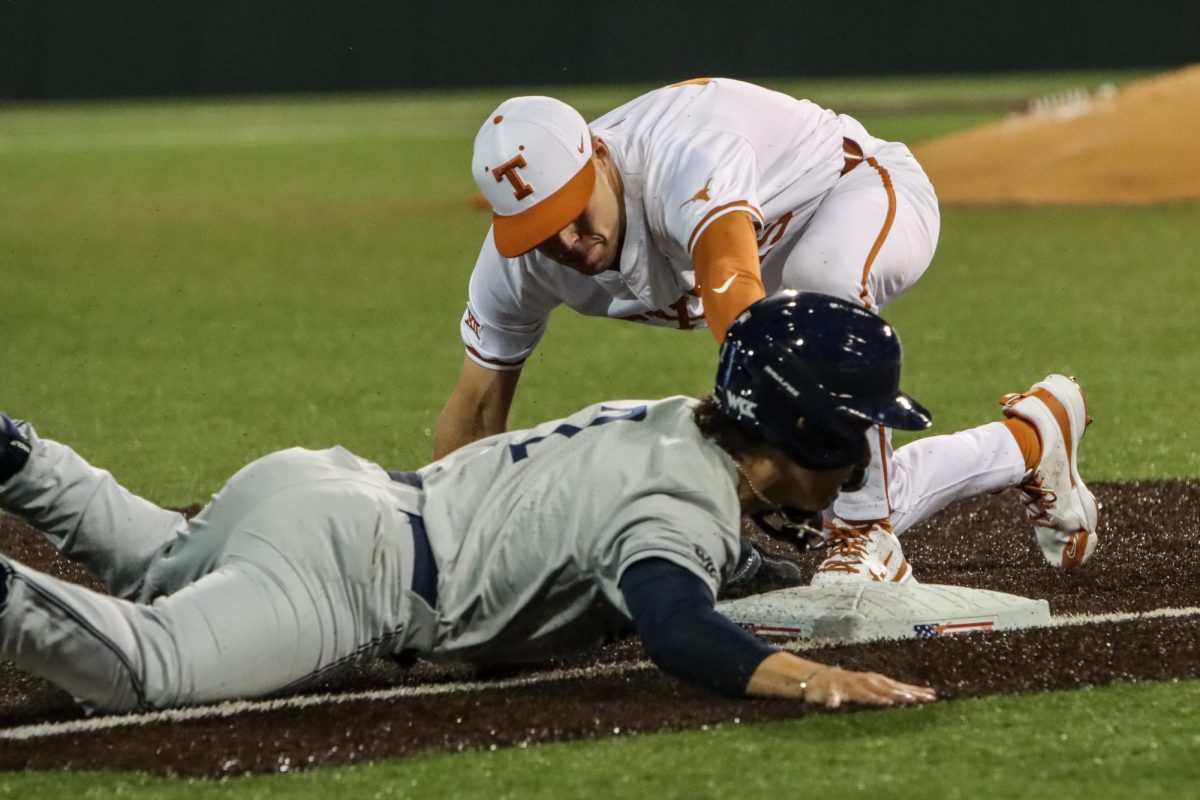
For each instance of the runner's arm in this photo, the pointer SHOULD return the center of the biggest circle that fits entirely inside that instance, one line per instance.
(674, 614)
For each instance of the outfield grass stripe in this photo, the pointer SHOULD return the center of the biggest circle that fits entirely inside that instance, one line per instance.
(233, 708)
(247, 136)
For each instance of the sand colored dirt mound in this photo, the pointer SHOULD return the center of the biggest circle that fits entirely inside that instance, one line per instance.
(1132, 146)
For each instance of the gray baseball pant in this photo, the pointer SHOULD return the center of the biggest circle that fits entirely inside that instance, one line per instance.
(303, 562)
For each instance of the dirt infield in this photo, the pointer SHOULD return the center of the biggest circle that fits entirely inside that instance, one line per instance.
(1147, 560)
(1126, 147)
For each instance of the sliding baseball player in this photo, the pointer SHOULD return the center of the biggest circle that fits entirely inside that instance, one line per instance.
(622, 517)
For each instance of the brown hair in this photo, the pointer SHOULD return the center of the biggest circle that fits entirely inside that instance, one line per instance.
(728, 435)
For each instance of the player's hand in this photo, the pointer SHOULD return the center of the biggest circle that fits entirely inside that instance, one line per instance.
(832, 686)
(783, 674)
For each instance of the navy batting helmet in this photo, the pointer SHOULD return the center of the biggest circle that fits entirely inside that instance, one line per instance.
(809, 374)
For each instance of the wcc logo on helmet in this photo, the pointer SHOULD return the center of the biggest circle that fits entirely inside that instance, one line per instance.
(741, 406)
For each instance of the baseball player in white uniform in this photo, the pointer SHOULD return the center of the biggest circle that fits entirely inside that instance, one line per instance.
(623, 516)
(679, 209)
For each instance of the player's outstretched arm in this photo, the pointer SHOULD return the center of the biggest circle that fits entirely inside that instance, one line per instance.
(478, 407)
(785, 675)
(673, 613)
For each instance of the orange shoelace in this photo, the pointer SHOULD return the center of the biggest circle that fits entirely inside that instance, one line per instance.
(847, 548)
(1038, 499)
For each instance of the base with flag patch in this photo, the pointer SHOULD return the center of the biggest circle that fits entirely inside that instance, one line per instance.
(857, 612)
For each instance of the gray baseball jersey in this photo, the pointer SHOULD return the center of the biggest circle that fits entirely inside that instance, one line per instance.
(308, 560)
(532, 530)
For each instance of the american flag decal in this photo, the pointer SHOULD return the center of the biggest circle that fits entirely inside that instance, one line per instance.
(768, 631)
(929, 630)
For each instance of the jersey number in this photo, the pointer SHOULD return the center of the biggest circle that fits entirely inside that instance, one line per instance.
(635, 414)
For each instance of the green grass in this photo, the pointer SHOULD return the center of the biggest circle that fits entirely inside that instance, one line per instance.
(191, 285)
(187, 286)
(1099, 294)
(1119, 741)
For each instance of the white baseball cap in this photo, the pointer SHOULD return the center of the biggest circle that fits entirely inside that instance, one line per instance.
(533, 163)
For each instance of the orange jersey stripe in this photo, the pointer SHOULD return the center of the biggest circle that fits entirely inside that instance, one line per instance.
(754, 212)
(884, 231)
(496, 361)
(887, 483)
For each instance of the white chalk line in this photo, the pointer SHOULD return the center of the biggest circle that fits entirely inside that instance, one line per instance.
(232, 708)
(1129, 616)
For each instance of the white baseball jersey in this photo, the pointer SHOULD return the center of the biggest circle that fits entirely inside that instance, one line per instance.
(687, 155)
(691, 153)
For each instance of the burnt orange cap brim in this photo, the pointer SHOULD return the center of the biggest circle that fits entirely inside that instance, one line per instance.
(516, 235)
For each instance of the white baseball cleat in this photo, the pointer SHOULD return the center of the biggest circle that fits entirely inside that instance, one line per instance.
(1065, 515)
(863, 552)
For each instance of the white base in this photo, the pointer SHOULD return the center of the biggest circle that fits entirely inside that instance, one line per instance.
(861, 612)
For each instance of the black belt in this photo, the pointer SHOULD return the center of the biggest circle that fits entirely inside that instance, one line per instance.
(425, 571)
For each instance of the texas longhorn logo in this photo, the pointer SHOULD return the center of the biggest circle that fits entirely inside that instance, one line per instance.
(509, 170)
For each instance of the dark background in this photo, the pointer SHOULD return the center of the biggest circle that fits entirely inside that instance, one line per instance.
(130, 48)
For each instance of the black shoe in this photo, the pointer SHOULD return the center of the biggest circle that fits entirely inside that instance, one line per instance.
(759, 572)
(14, 449)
